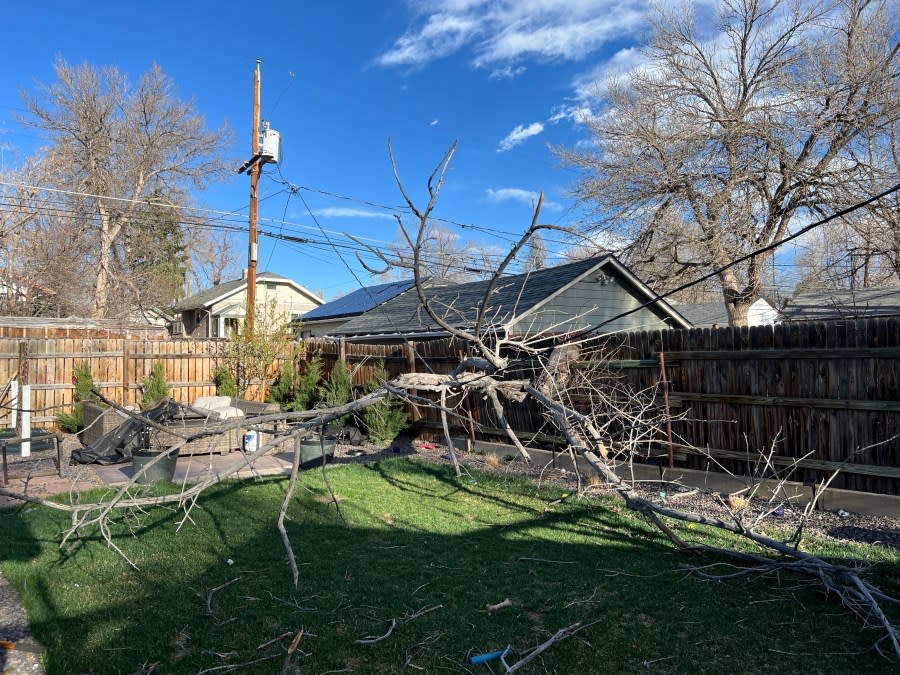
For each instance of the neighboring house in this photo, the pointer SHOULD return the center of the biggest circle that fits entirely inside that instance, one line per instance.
(219, 311)
(23, 296)
(555, 300)
(715, 315)
(153, 316)
(863, 303)
(333, 315)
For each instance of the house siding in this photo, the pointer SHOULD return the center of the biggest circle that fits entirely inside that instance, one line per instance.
(321, 328)
(588, 303)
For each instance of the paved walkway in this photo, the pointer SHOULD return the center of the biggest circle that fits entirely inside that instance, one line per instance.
(191, 469)
(196, 468)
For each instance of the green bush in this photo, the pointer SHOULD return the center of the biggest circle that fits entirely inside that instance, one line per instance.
(225, 384)
(155, 387)
(307, 394)
(283, 391)
(73, 422)
(337, 389)
(386, 418)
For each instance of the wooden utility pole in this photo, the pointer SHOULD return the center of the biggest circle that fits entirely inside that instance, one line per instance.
(255, 169)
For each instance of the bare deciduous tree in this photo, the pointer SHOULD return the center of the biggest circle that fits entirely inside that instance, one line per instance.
(712, 148)
(213, 255)
(112, 144)
(444, 256)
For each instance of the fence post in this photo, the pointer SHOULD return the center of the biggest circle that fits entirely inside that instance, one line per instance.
(411, 367)
(125, 400)
(665, 388)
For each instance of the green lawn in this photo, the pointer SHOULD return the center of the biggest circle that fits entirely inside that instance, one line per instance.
(415, 537)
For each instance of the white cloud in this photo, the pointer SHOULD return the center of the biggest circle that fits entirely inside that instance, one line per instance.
(528, 197)
(519, 135)
(434, 122)
(592, 84)
(498, 33)
(507, 72)
(341, 212)
(575, 113)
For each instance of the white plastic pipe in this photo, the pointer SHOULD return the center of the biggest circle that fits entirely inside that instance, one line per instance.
(14, 403)
(26, 419)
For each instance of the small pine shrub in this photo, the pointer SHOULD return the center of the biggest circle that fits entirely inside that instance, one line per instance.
(225, 384)
(155, 387)
(73, 422)
(307, 393)
(386, 418)
(283, 391)
(337, 389)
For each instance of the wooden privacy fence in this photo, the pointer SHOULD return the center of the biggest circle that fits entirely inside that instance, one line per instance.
(118, 367)
(826, 392)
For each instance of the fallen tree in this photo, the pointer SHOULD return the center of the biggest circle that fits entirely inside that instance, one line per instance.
(608, 425)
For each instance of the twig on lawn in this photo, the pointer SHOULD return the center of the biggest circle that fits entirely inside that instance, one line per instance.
(406, 618)
(212, 592)
(413, 650)
(500, 605)
(415, 615)
(274, 639)
(235, 666)
(293, 603)
(558, 636)
(372, 639)
(556, 562)
(589, 600)
(291, 649)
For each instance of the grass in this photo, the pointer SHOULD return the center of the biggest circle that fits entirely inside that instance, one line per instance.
(415, 537)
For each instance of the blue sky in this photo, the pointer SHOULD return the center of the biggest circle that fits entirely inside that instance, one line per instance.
(505, 79)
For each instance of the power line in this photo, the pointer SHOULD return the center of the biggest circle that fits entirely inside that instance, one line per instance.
(769, 247)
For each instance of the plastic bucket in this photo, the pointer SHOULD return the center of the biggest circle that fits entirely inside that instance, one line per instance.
(251, 441)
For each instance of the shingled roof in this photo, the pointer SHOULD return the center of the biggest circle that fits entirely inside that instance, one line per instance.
(211, 296)
(359, 301)
(856, 304)
(514, 296)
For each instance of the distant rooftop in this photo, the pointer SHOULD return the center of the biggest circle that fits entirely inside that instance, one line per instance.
(359, 301)
(514, 295)
(857, 304)
(209, 296)
(704, 314)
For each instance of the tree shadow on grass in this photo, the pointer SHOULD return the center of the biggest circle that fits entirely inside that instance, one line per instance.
(188, 609)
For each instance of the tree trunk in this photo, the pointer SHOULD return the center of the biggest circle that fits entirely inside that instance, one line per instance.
(108, 232)
(738, 307)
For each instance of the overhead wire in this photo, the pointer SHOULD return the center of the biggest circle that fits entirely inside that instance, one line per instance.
(763, 249)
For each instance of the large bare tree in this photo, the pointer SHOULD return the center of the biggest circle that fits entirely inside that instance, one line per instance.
(42, 263)
(719, 142)
(111, 143)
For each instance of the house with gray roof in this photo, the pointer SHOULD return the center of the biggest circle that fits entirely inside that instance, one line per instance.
(715, 315)
(325, 319)
(219, 312)
(862, 303)
(552, 301)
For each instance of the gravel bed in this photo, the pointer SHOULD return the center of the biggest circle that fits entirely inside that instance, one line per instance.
(43, 463)
(836, 525)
